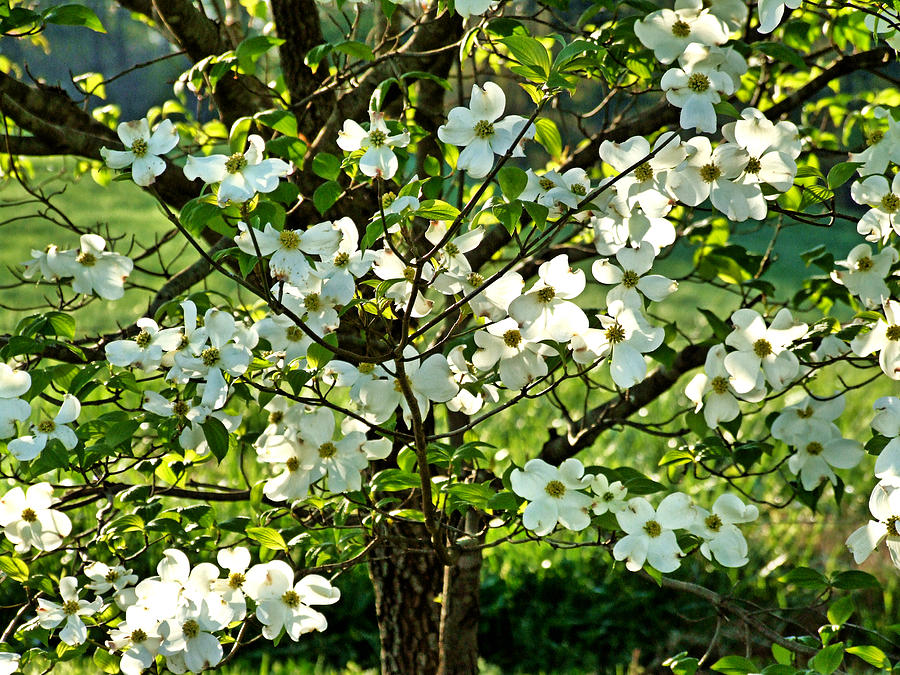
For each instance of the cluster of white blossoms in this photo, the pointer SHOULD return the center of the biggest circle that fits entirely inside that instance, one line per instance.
(92, 269)
(184, 612)
(557, 496)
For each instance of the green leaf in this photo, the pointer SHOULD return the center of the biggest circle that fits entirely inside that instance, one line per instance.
(281, 121)
(828, 660)
(682, 664)
(805, 577)
(356, 49)
(538, 213)
(14, 568)
(197, 213)
(216, 437)
(327, 166)
(871, 655)
(734, 665)
(478, 495)
(61, 324)
(435, 209)
(852, 580)
(841, 173)
(326, 195)
(781, 52)
(548, 136)
(841, 610)
(106, 662)
(512, 181)
(392, 480)
(251, 49)
(315, 55)
(74, 15)
(530, 53)
(267, 538)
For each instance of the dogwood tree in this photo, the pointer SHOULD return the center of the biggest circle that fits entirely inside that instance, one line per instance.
(431, 218)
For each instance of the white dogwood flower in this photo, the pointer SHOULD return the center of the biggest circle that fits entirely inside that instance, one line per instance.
(27, 448)
(695, 87)
(144, 149)
(378, 159)
(866, 272)
(884, 338)
(758, 346)
(884, 505)
(95, 271)
(51, 614)
(711, 390)
(29, 521)
(649, 533)
(632, 277)
(668, 32)
(553, 495)
(13, 383)
(718, 529)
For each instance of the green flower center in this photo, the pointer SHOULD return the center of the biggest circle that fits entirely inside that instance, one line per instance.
(70, 607)
(713, 522)
(293, 334)
(291, 599)
(512, 338)
(893, 333)
(29, 516)
(890, 203)
(475, 279)
(608, 496)
(143, 339)
(451, 249)
(754, 166)
(190, 628)
(277, 416)
(555, 489)
(236, 580)
(327, 450)
(874, 137)
(377, 138)
(292, 464)
(644, 172)
(139, 148)
(341, 259)
(236, 163)
(366, 368)
(710, 172)
(814, 448)
(387, 199)
(210, 356)
(681, 29)
(719, 384)
(615, 334)
(181, 408)
(86, 258)
(312, 302)
(289, 239)
(891, 526)
(46, 426)
(762, 348)
(546, 184)
(546, 294)
(409, 273)
(111, 576)
(804, 413)
(864, 264)
(630, 279)
(484, 129)
(698, 83)
(652, 528)
(138, 636)
(578, 189)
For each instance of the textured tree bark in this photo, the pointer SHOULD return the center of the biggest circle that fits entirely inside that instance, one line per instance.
(461, 610)
(408, 581)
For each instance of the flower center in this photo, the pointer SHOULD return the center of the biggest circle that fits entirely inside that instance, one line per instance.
(874, 137)
(312, 302)
(46, 426)
(190, 628)
(181, 408)
(293, 333)
(713, 522)
(644, 172)
(864, 264)
(615, 334)
(451, 249)
(890, 203)
(484, 129)
(652, 528)
(289, 239)
(70, 607)
(29, 516)
(698, 83)
(608, 496)
(183, 342)
(546, 294)
(292, 464)
(762, 348)
(555, 489)
(891, 526)
(719, 384)
(341, 259)
(805, 413)
(366, 368)
(893, 333)
(398, 387)
(630, 279)
(236, 580)
(377, 138)
(681, 29)
(276, 417)
(291, 599)
(138, 636)
(139, 147)
(327, 450)
(754, 166)
(512, 338)
(86, 258)
(546, 183)
(236, 163)
(387, 199)
(710, 172)
(111, 576)
(578, 189)
(409, 273)
(143, 339)
(210, 356)
(814, 448)
(475, 279)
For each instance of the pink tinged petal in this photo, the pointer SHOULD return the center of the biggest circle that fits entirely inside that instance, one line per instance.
(351, 137)
(862, 542)
(477, 158)
(379, 161)
(541, 516)
(633, 550)
(163, 139)
(488, 103)
(208, 169)
(605, 272)
(633, 518)
(145, 169)
(203, 651)
(574, 511)
(117, 159)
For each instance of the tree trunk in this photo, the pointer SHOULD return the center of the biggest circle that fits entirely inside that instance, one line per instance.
(460, 610)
